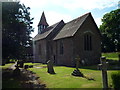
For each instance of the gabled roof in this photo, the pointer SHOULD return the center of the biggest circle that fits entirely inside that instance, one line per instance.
(71, 27)
(48, 31)
(43, 20)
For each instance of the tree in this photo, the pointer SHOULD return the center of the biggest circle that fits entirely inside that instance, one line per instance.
(110, 30)
(16, 30)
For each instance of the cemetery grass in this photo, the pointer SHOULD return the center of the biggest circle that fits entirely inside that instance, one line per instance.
(6, 66)
(64, 79)
(8, 81)
(112, 55)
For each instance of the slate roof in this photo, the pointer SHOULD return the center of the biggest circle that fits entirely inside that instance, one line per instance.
(43, 20)
(71, 27)
(45, 34)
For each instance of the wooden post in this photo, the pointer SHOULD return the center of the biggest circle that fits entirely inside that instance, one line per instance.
(104, 72)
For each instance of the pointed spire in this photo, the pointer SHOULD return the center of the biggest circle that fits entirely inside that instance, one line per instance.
(43, 20)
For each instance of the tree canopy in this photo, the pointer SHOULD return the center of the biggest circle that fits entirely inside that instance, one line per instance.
(16, 30)
(110, 30)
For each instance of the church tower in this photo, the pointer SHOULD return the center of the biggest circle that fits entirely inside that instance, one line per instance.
(42, 24)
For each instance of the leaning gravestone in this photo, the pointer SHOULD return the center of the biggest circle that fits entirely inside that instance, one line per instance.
(50, 67)
(77, 72)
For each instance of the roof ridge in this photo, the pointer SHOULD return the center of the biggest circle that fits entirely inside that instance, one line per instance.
(82, 21)
(55, 23)
(79, 17)
(72, 27)
(85, 14)
(47, 32)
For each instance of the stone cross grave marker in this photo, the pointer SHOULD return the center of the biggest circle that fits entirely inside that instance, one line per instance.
(104, 72)
(50, 67)
(77, 62)
(77, 71)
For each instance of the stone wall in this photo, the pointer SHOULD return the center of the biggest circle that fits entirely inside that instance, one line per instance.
(40, 57)
(93, 56)
(74, 46)
(67, 56)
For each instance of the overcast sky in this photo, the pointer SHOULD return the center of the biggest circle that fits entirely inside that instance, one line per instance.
(56, 10)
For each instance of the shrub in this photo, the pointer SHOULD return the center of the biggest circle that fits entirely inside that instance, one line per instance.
(116, 80)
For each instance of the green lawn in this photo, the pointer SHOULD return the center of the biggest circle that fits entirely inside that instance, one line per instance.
(64, 79)
(113, 56)
(8, 81)
(6, 66)
(36, 64)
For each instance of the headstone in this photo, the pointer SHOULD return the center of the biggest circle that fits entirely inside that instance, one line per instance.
(104, 72)
(50, 67)
(30, 66)
(77, 62)
(26, 66)
(21, 63)
(77, 72)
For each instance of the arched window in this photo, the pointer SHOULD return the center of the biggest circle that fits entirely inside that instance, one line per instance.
(87, 42)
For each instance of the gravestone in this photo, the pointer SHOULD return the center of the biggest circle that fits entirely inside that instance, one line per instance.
(26, 66)
(50, 67)
(104, 72)
(21, 63)
(77, 72)
(77, 62)
(30, 66)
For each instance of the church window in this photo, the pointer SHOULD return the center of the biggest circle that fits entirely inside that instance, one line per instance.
(61, 48)
(87, 42)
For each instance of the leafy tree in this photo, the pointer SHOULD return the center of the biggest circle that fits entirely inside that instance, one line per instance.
(16, 30)
(110, 30)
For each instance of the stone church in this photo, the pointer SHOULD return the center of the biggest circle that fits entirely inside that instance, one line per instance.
(63, 42)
